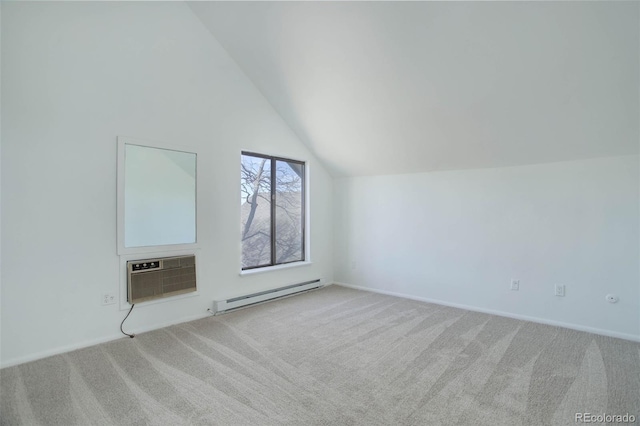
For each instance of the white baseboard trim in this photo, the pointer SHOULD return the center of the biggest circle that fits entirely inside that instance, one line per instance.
(572, 326)
(93, 342)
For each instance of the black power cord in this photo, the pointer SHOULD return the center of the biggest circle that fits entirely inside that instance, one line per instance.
(122, 323)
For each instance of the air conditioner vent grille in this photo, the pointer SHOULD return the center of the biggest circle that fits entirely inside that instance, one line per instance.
(176, 275)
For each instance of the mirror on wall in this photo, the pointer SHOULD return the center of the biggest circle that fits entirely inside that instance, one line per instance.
(156, 196)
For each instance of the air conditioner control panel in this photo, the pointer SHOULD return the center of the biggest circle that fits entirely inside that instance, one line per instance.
(143, 266)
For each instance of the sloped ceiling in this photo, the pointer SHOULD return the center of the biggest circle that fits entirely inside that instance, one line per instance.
(399, 87)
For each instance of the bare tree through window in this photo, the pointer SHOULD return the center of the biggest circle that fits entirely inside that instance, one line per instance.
(272, 210)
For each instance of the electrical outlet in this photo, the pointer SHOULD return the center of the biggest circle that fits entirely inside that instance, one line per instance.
(515, 284)
(108, 299)
(559, 290)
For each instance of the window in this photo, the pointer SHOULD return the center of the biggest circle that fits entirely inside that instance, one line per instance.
(272, 210)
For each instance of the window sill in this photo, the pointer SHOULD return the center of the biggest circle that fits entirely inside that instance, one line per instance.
(274, 268)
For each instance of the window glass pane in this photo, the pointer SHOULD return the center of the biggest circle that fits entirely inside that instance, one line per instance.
(256, 211)
(159, 196)
(289, 212)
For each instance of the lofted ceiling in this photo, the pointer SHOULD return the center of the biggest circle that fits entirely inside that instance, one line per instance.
(400, 87)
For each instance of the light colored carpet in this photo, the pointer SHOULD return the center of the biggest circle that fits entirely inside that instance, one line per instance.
(334, 356)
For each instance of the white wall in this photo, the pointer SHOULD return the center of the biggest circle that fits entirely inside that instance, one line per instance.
(459, 237)
(0, 179)
(74, 77)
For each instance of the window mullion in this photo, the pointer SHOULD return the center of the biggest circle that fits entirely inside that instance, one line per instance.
(303, 214)
(273, 211)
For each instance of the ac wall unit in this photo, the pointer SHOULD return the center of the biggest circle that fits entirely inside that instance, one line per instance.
(151, 279)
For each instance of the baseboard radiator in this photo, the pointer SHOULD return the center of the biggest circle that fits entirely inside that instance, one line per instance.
(221, 306)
